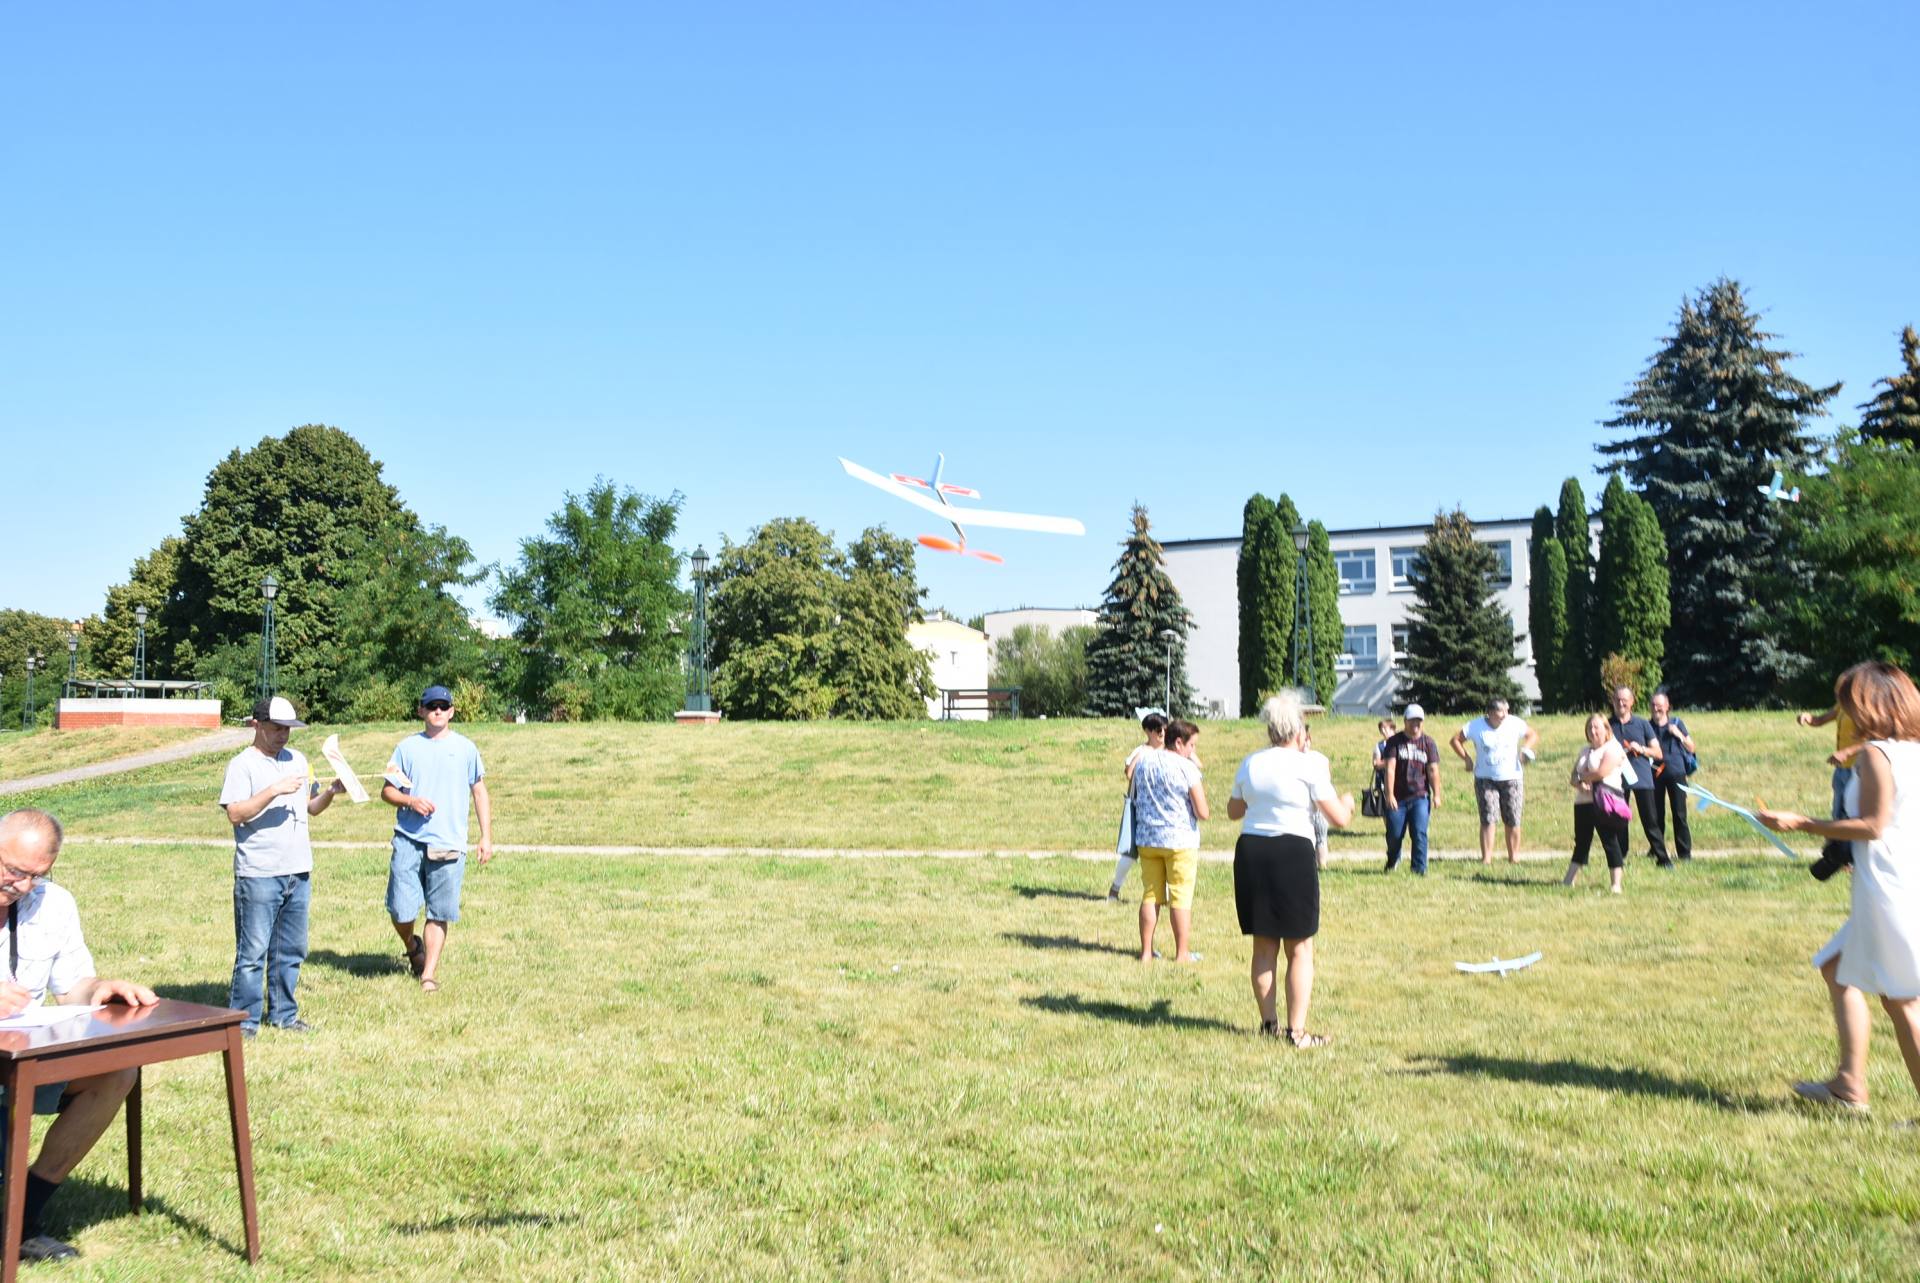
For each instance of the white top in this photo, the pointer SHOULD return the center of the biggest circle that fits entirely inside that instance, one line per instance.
(1496, 749)
(1280, 787)
(53, 954)
(1162, 807)
(1591, 758)
(1879, 944)
(273, 843)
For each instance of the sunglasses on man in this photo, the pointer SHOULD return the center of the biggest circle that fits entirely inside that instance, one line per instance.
(438, 706)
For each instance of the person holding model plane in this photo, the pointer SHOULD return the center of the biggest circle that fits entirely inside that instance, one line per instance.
(429, 781)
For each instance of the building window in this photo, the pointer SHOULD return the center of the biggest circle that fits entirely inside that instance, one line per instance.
(1399, 644)
(1403, 559)
(1503, 571)
(1361, 647)
(1356, 572)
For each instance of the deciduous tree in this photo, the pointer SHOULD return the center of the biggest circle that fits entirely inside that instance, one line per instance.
(1050, 670)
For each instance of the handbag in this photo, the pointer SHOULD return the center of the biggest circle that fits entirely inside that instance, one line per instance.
(1373, 801)
(1610, 801)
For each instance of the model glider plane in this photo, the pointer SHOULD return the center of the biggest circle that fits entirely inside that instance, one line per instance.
(932, 496)
(1777, 490)
(1706, 799)
(1511, 964)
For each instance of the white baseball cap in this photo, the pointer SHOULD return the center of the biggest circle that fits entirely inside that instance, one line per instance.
(1415, 713)
(277, 710)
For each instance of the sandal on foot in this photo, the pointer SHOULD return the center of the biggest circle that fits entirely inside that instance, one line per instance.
(1269, 1029)
(416, 956)
(1821, 1094)
(1304, 1040)
(429, 986)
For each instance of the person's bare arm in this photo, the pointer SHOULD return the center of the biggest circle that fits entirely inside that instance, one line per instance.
(1876, 806)
(1236, 808)
(405, 801)
(1197, 799)
(324, 798)
(1393, 780)
(1608, 762)
(1531, 740)
(248, 809)
(1459, 746)
(1338, 810)
(484, 805)
(94, 990)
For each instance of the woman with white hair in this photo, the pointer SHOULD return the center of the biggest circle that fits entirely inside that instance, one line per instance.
(1276, 883)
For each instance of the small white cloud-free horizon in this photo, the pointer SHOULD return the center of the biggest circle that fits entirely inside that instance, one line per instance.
(901, 486)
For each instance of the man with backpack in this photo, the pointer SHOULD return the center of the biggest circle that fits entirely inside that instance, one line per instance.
(1677, 763)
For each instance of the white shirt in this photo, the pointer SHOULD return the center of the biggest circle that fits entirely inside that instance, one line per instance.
(1280, 787)
(53, 954)
(1496, 754)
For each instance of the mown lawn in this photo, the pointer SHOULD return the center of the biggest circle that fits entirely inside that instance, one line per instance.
(37, 752)
(1031, 785)
(757, 1068)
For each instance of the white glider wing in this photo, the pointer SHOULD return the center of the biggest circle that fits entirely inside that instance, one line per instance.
(965, 516)
(1511, 964)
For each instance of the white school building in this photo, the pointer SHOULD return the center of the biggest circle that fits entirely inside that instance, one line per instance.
(1375, 598)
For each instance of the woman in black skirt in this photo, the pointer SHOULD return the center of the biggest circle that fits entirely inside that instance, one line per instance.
(1275, 882)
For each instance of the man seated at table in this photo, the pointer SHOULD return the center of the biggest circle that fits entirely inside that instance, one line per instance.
(48, 960)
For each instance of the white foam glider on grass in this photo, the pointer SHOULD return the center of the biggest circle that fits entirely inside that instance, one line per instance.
(935, 500)
(1707, 799)
(1511, 964)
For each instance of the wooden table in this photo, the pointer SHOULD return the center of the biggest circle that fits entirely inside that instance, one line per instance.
(113, 1038)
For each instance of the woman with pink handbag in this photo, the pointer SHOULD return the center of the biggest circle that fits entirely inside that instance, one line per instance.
(1600, 802)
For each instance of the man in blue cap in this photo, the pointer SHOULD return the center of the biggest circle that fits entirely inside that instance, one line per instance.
(429, 780)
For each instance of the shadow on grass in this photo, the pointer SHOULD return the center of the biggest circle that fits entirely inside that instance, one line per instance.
(1027, 892)
(1033, 941)
(210, 993)
(1157, 1013)
(1518, 881)
(361, 964)
(1610, 1078)
(478, 1221)
(85, 1201)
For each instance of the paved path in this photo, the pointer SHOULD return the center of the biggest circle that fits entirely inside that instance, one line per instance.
(219, 740)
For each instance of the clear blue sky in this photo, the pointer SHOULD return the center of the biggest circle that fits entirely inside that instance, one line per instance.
(1386, 257)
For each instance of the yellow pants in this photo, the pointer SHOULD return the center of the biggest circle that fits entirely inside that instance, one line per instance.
(1168, 876)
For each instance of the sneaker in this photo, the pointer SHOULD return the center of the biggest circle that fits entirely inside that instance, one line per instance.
(45, 1247)
(295, 1026)
(1113, 897)
(249, 1032)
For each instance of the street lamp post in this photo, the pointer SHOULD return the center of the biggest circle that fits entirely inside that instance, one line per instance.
(269, 589)
(698, 699)
(1302, 617)
(73, 653)
(140, 644)
(26, 710)
(1168, 636)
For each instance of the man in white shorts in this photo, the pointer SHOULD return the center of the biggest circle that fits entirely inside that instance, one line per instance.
(1502, 743)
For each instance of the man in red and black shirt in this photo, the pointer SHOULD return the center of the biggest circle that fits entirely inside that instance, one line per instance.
(1413, 787)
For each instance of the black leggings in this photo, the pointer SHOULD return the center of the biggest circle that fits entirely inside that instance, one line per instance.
(1613, 839)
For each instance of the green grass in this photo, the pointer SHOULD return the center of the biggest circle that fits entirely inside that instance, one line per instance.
(757, 1068)
(23, 754)
(1033, 785)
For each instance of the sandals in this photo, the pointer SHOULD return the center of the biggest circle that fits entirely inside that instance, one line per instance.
(1821, 1094)
(416, 956)
(1297, 1037)
(429, 986)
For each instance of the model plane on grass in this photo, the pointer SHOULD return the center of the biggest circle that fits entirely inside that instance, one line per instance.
(1498, 966)
(936, 500)
(1777, 490)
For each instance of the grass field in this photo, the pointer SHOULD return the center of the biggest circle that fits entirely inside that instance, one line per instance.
(745, 1068)
(37, 752)
(1032, 785)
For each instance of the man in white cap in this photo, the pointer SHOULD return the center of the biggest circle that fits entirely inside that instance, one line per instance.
(1412, 789)
(268, 795)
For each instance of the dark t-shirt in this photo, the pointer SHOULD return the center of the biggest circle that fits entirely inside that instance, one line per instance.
(1636, 730)
(1676, 765)
(1414, 759)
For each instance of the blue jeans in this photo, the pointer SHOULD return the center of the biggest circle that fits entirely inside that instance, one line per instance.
(270, 943)
(1842, 776)
(1408, 819)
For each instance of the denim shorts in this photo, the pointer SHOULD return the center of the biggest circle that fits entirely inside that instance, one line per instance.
(415, 882)
(46, 1097)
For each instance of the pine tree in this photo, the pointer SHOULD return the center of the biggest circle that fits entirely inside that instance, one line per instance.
(1894, 415)
(1578, 682)
(1709, 421)
(1127, 665)
(1459, 637)
(1323, 592)
(1546, 607)
(1632, 609)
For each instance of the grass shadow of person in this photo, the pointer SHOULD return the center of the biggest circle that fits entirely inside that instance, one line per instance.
(1516, 880)
(360, 964)
(85, 1201)
(482, 1221)
(1621, 1080)
(1028, 891)
(1159, 1012)
(208, 993)
(1035, 941)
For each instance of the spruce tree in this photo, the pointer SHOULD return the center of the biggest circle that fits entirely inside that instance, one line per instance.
(1713, 416)
(1323, 592)
(1252, 651)
(1459, 637)
(1266, 586)
(1127, 658)
(1546, 607)
(1893, 416)
(1553, 574)
(1632, 608)
(1579, 680)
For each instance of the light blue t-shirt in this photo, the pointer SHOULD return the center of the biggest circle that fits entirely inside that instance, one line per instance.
(444, 771)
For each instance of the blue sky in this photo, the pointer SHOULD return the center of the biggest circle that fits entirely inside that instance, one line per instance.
(1383, 257)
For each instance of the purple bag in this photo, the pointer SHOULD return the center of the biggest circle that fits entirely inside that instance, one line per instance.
(1611, 802)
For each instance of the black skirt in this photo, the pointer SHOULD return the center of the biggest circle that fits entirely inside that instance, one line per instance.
(1276, 886)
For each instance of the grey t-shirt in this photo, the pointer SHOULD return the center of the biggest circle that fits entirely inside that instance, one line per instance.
(274, 843)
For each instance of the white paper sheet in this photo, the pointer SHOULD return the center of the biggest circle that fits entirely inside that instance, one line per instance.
(338, 761)
(40, 1017)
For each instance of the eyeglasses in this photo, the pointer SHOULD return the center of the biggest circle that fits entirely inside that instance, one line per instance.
(17, 878)
(438, 706)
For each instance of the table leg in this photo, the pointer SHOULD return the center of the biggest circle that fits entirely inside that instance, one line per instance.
(133, 1144)
(242, 1141)
(19, 1136)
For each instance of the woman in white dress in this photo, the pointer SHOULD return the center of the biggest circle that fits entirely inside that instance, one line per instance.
(1877, 950)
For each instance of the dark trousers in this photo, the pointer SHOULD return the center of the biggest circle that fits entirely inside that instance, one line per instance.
(1667, 797)
(1649, 808)
(1613, 841)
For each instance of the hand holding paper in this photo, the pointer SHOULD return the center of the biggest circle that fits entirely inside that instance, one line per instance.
(338, 761)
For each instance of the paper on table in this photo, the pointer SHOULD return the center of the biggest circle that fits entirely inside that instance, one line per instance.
(39, 1017)
(338, 761)
(1707, 799)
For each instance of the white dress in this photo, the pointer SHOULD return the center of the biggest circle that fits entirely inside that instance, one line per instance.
(1879, 944)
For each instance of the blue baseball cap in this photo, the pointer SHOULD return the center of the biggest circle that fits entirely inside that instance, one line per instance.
(432, 693)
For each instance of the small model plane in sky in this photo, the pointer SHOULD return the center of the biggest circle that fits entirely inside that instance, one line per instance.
(1777, 492)
(936, 501)
(1511, 964)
